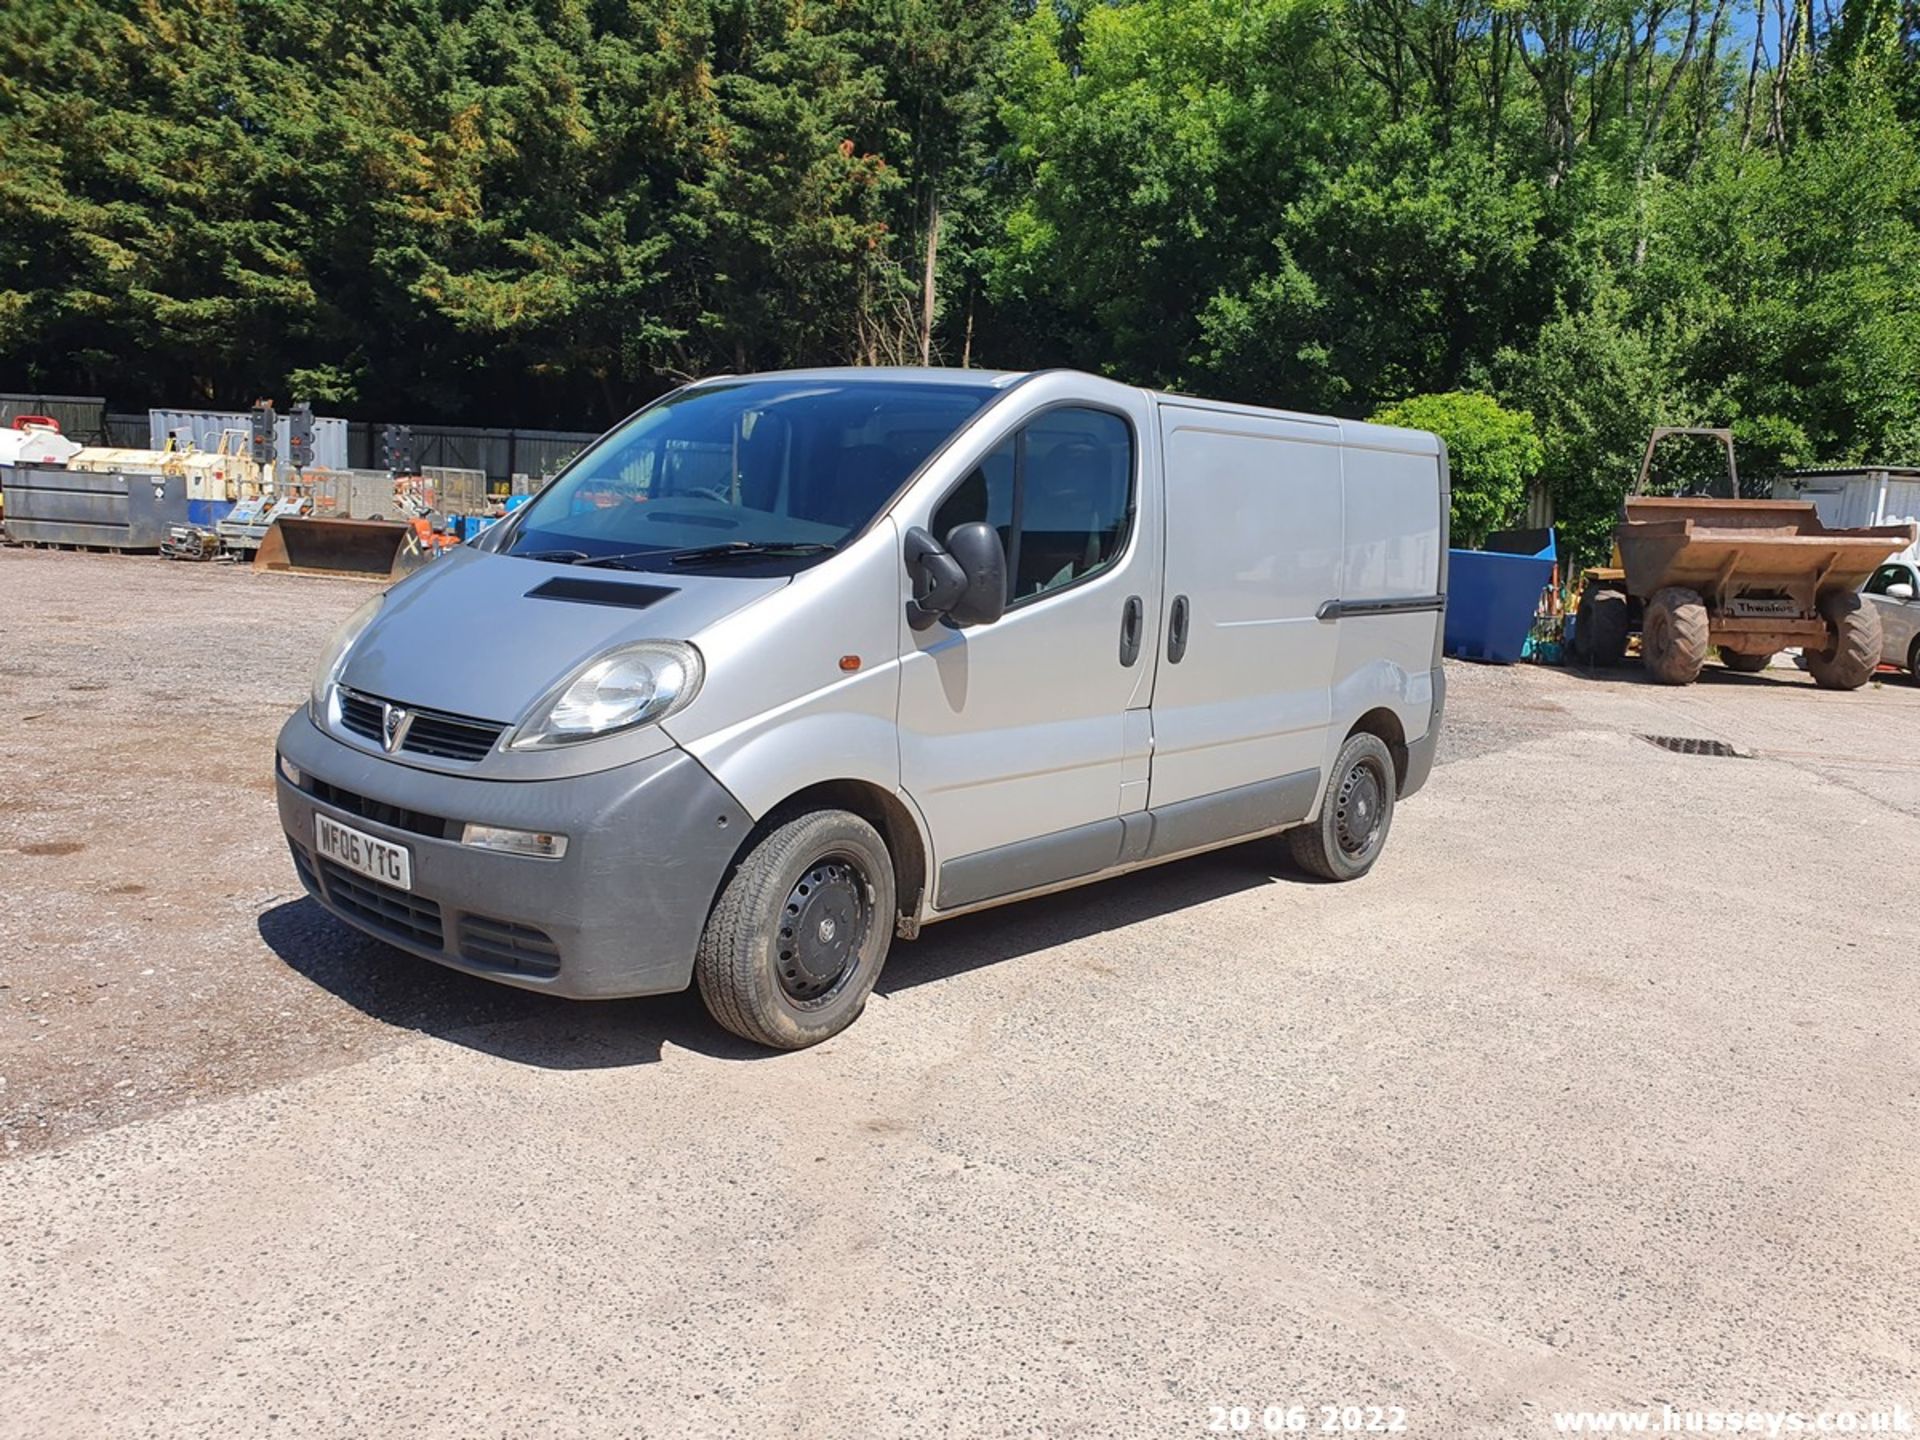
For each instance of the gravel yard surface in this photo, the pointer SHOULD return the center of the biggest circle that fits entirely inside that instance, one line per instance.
(1600, 1091)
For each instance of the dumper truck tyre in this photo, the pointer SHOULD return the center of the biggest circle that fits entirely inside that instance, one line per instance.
(1674, 636)
(1744, 663)
(1853, 651)
(1355, 816)
(797, 938)
(1602, 625)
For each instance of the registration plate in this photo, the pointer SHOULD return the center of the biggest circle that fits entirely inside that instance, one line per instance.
(376, 859)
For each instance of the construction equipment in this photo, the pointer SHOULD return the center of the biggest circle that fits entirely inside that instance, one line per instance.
(91, 509)
(191, 542)
(357, 549)
(246, 526)
(348, 532)
(1751, 577)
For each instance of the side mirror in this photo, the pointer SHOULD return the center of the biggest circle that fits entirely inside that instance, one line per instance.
(965, 582)
(976, 545)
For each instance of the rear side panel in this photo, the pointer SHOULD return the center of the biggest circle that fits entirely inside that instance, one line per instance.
(1254, 549)
(1385, 655)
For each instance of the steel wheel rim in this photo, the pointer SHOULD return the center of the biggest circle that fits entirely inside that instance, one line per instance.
(1359, 809)
(824, 924)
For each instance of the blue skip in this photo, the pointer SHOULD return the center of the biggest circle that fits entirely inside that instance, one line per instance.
(1492, 595)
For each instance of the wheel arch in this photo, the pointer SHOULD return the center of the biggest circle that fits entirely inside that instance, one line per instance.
(880, 808)
(1383, 723)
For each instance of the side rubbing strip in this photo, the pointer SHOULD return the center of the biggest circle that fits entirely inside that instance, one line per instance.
(1230, 814)
(1242, 812)
(1402, 605)
(1029, 864)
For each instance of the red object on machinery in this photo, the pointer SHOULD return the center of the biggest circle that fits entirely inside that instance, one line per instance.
(27, 422)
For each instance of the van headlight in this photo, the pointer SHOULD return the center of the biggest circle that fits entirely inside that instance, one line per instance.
(334, 658)
(637, 684)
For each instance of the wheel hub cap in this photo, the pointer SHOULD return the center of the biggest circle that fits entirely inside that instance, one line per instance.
(1357, 812)
(822, 929)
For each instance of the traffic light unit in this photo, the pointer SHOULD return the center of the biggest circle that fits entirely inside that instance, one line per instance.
(300, 436)
(264, 446)
(396, 450)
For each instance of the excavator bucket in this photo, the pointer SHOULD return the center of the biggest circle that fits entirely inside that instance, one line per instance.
(360, 549)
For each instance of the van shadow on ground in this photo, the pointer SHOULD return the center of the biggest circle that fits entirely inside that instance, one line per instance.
(408, 993)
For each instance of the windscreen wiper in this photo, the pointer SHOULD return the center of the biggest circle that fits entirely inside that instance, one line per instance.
(622, 561)
(745, 550)
(581, 557)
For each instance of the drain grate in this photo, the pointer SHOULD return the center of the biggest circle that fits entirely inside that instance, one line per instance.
(1693, 745)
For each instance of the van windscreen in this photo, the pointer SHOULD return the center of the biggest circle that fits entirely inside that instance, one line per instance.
(772, 473)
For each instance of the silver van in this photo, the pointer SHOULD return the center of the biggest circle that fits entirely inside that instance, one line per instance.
(787, 665)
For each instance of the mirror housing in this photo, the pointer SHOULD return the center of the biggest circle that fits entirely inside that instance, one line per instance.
(964, 581)
(938, 580)
(976, 546)
(1900, 592)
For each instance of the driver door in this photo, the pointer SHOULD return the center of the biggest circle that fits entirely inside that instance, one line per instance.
(1024, 741)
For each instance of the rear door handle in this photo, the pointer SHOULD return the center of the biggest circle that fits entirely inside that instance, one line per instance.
(1177, 631)
(1132, 618)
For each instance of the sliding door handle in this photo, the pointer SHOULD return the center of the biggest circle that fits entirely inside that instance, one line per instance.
(1133, 617)
(1177, 630)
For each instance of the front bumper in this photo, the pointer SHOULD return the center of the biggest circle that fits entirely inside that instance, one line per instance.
(619, 914)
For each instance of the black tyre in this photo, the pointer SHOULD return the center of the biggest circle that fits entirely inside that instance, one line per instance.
(1602, 626)
(1913, 662)
(1745, 664)
(1853, 647)
(800, 931)
(1674, 636)
(1355, 816)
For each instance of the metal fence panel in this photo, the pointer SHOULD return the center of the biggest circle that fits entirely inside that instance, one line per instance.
(501, 453)
(125, 432)
(81, 416)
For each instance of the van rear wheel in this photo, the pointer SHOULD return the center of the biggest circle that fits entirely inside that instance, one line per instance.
(1354, 818)
(796, 940)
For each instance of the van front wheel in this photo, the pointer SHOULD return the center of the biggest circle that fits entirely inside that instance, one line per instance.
(799, 934)
(1355, 816)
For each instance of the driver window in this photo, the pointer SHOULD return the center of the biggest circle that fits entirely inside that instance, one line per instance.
(1886, 575)
(1076, 499)
(1060, 492)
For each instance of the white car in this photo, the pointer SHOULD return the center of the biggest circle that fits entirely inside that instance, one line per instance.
(1894, 591)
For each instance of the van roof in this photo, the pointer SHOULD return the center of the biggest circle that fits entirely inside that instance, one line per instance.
(1351, 432)
(889, 374)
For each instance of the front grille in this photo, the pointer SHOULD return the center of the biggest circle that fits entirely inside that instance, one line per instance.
(502, 945)
(433, 733)
(394, 911)
(397, 817)
(451, 738)
(361, 716)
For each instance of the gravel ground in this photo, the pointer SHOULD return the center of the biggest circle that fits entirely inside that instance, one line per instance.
(1601, 1091)
(148, 889)
(164, 954)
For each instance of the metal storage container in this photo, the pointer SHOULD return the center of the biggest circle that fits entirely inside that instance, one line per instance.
(205, 427)
(115, 510)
